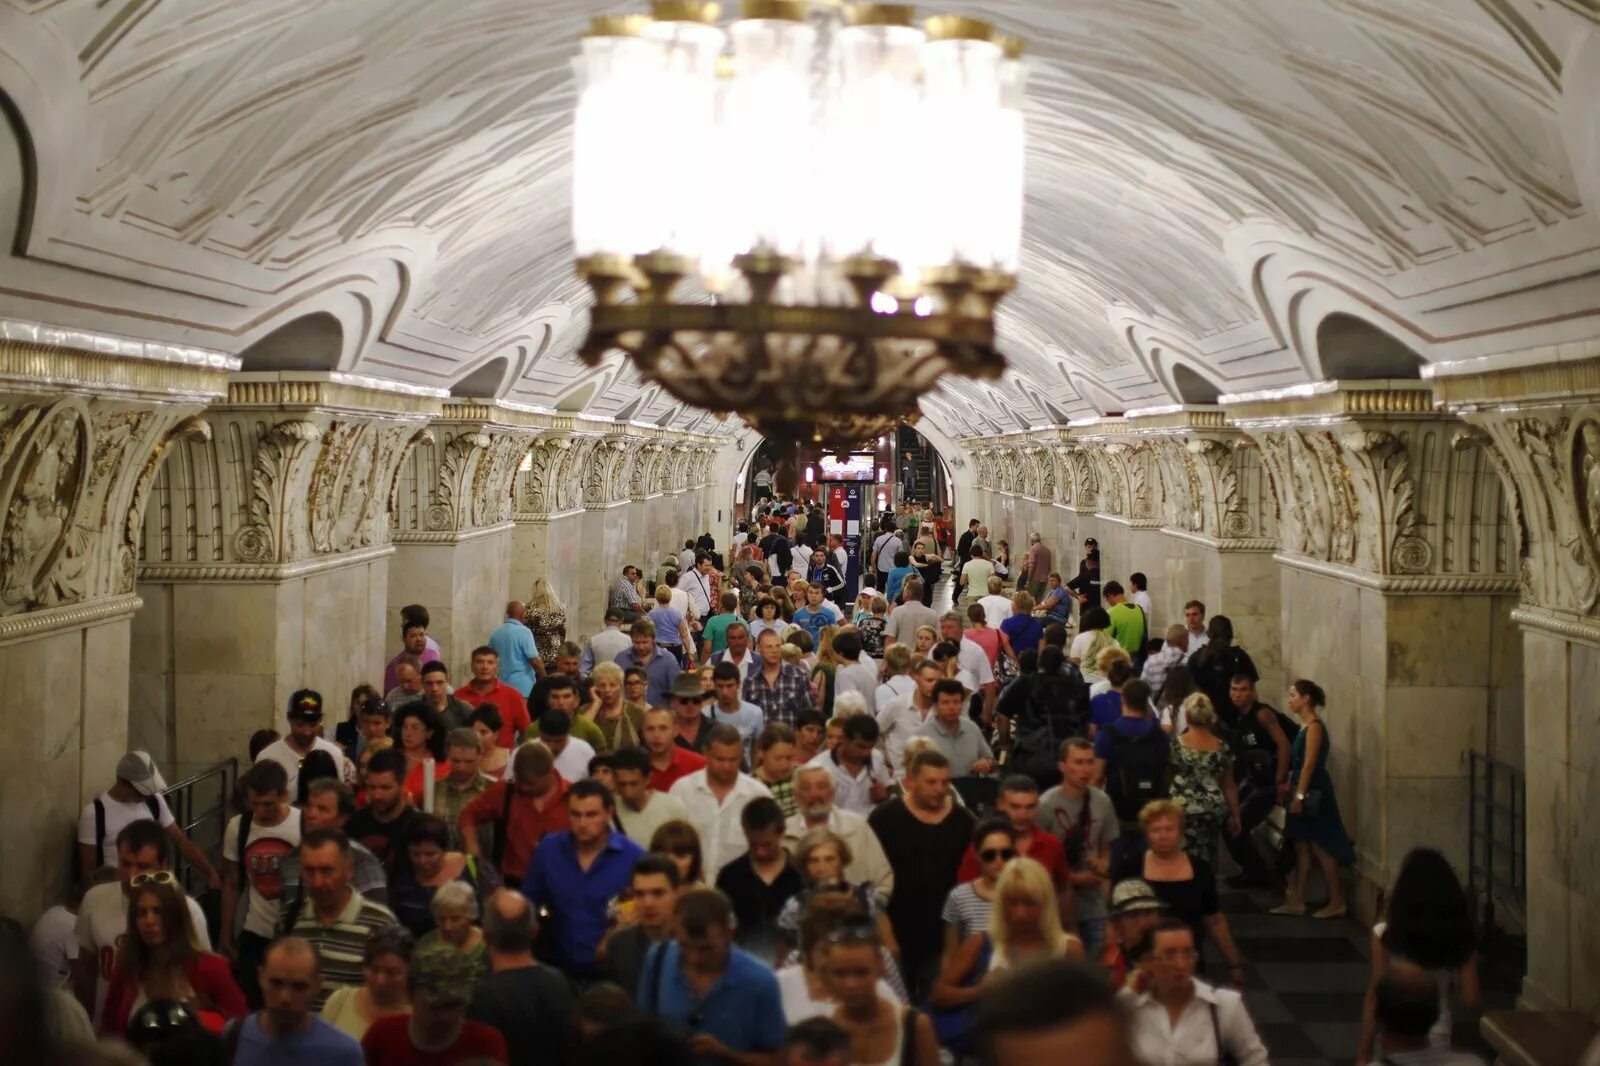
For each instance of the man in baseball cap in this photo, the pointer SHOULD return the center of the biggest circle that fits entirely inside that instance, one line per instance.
(135, 796)
(1135, 908)
(304, 737)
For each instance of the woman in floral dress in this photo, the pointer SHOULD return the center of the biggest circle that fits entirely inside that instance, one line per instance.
(1202, 780)
(548, 620)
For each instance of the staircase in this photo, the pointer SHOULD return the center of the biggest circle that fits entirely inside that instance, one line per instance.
(911, 445)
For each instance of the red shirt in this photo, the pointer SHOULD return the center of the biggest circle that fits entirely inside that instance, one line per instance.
(388, 1043)
(1042, 847)
(513, 709)
(530, 820)
(684, 763)
(414, 784)
(209, 976)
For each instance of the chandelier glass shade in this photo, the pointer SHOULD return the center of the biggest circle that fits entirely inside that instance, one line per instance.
(806, 219)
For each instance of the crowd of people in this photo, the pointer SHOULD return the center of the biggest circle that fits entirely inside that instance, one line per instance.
(757, 818)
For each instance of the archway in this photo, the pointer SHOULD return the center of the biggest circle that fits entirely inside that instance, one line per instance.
(1350, 348)
(310, 342)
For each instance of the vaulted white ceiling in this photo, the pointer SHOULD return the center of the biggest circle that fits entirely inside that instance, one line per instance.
(381, 186)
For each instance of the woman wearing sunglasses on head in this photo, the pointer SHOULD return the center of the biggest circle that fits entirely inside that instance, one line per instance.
(882, 1029)
(159, 960)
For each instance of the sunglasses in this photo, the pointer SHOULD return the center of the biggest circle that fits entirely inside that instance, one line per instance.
(160, 877)
(991, 854)
(854, 931)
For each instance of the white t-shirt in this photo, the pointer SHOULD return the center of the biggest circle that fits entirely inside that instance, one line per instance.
(102, 926)
(860, 677)
(996, 609)
(281, 753)
(798, 1006)
(1142, 598)
(55, 944)
(573, 762)
(118, 814)
(264, 852)
(975, 661)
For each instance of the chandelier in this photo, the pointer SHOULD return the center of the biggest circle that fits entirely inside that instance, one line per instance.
(809, 230)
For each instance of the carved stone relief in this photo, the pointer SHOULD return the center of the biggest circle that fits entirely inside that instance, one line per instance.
(46, 458)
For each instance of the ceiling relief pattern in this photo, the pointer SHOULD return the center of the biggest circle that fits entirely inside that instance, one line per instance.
(1208, 178)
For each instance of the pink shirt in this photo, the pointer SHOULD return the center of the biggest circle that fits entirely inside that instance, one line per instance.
(430, 654)
(1038, 562)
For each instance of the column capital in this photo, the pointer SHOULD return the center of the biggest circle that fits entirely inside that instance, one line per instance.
(82, 431)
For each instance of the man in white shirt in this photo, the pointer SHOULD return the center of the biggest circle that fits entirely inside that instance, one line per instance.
(254, 846)
(696, 584)
(134, 796)
(715, 797)
(841, 558)
(883, 550)
(814, 788)
(855, 673)
(572, 753)
(143, 852)
(1203, 1014)
(686, 557)
(861, 777)
(305, 723)
(641, 810)
(738, 652)
(973, 659)
(606, 645)
(1194, 620)
(898, 722)
(1141, 595)
(996, 605)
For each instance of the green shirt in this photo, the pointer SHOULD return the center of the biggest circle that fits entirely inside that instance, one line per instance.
(586, 731)
(1128, 626)
(716, 631)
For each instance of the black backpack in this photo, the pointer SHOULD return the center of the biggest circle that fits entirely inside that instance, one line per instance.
(1141, 768)
(1256, 755)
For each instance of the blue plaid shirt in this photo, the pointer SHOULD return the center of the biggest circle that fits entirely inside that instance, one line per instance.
(783, 701)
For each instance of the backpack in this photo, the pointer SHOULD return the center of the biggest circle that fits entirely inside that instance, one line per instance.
(1252, 745)
(1141, 764)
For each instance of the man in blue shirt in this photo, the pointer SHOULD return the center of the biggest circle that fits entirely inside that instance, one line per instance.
(660, 665)
(725, 1001)
(814, 616)
(512, 640)
(577, 873)
(287, 1030)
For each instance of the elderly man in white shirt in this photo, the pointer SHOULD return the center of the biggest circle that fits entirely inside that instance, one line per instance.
(903, 719)
(814, 789)
(696, 584)
(1204, 1015)
(717, 795)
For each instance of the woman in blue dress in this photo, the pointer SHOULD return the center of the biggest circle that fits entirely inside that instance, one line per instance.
(1313, 824)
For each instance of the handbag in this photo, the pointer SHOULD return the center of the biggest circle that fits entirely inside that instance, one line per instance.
(1311, 806)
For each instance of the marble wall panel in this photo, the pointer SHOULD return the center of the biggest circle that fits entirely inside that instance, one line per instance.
(1548, 982)
(1547, 691)
(464, 585)
(150, 674)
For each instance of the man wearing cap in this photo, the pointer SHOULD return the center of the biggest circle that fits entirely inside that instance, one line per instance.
(1135, 909)
(606, 645)
(135, 796)
(689, 719)
(437, 1029)
(304, 737)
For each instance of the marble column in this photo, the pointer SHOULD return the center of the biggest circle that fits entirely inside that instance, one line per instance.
(549, 509)
(84, 422)
(1540, 429)
(1205, 486)
(452, 527)
(1396, 588)
(266, 557)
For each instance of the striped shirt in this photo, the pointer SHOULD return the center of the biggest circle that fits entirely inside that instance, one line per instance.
(341, 943)
(966, 910)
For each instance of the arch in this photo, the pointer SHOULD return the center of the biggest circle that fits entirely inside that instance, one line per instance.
(1097, 396)
(1190, 388)
(1352, 348)
(310, 342)
(485, 382)
(578, 398)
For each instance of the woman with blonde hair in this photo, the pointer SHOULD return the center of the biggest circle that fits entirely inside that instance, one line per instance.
(927, 637)
(1185, 883)
(621, 723)
(1024, 925)
(548, 620)
(1203, 781)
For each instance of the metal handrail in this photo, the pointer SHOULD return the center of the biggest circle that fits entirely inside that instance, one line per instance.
(180, 798)
(1497, 834)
